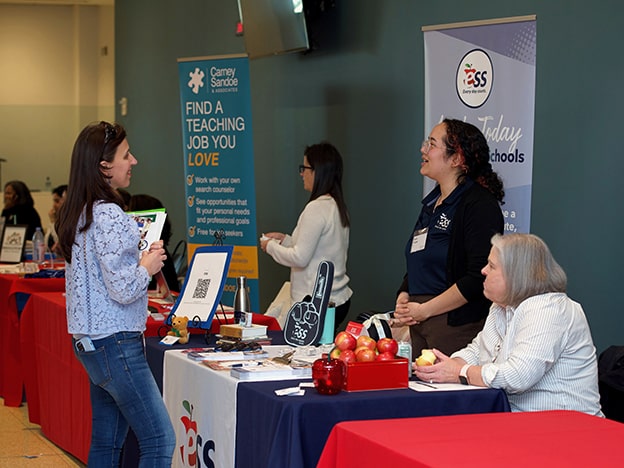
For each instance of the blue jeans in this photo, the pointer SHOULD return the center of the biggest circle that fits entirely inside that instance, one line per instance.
(124, 394)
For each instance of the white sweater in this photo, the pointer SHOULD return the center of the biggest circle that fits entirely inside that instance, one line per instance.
(319, 235)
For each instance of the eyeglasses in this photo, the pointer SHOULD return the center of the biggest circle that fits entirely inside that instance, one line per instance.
(303, 168)
(427, 145)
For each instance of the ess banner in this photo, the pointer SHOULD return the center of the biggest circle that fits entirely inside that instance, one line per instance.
(484, 73)
(219, 164)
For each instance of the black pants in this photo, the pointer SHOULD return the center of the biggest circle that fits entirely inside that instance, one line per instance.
(341, 314)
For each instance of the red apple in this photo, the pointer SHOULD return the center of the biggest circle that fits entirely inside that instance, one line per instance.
(367, 341)
(335, 353)
(365, 355)
(345, 340)
(389, 345)
(347, 356)
(385, 356)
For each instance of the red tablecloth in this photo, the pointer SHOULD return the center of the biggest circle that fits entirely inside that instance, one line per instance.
(11, 369)
(57, 386)
(549, 438)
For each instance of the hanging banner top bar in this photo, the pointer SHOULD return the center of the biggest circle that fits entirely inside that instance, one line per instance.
(467, 24)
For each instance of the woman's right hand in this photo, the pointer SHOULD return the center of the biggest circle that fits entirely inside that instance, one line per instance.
(401, 302)
(268, 237)
(275, 235)
(153, 260)
(402, 312)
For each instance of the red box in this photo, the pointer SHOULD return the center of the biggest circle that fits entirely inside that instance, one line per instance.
(355, 328)
(376, 375)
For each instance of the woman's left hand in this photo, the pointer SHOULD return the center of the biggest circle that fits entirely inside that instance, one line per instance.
(158, 245)
(445, 369)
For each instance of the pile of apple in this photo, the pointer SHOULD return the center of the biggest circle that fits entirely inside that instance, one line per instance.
(348, 348)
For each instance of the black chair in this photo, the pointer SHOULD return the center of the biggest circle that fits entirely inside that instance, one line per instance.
(611, 382)
(179, 260)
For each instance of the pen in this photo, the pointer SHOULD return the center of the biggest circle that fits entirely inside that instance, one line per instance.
(245, 364)
(420, 382)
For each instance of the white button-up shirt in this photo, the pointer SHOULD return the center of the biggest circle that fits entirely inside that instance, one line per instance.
(541, 353)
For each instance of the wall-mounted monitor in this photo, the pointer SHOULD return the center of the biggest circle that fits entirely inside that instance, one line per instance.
(272, 27)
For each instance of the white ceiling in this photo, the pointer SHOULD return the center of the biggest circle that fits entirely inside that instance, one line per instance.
(58, 2)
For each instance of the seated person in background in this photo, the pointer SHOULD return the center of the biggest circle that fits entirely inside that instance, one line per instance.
(19, 207)
(536, 343)
(51, 238)
(147, 202)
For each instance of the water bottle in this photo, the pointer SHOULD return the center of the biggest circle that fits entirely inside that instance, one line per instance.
(405, 350)
(242, 312)
(328, 327)
(38, 254)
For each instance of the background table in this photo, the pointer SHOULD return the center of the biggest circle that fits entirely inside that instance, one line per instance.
(11, 369)
(291, 431)
(57, 387)
(549, 438)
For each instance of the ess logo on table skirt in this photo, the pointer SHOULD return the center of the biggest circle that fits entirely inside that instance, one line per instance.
(194, 445)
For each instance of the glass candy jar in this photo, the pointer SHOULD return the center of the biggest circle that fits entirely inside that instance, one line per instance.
(328, 375)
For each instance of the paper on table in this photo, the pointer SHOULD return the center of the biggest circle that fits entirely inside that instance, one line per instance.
(294, 391)
(270, 371)
(439, 387)
(290, 391)
(233, 356)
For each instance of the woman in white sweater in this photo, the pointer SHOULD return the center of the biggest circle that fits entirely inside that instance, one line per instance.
(322, 231)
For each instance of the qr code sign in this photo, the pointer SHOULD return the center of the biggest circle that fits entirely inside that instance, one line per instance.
(201, 288)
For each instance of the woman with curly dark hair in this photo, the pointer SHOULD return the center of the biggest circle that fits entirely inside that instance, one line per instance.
(441, 298)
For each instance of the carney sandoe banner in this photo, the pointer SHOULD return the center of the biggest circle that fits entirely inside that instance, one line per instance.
(484, 73)
(219, 164)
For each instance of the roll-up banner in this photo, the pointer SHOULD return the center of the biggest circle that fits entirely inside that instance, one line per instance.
(218, 159)
(483, 72)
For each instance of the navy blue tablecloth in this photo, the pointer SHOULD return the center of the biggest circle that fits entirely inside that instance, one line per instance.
(290, 432)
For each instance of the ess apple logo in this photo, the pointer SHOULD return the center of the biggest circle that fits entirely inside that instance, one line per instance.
(188, 451)
(474, 78)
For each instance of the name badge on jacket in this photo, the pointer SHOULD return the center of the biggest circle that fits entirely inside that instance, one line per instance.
(419, 240)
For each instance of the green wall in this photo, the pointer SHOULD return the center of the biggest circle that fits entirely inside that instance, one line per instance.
(364, 92)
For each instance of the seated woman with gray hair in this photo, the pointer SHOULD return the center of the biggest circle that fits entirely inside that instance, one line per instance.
(536, 343)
